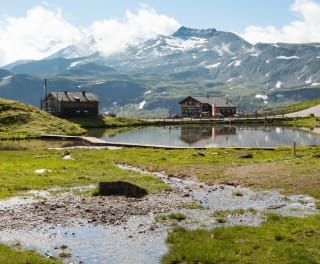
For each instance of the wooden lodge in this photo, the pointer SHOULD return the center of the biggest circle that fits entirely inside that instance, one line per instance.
(71, 104)
(210, 106)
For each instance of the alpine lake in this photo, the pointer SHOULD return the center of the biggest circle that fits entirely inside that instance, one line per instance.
(206, 136)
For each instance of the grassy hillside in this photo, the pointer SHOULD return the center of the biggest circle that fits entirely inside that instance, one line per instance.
(292, 108)
(19, 120)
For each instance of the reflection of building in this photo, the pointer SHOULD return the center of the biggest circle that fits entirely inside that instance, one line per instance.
(71, 104)
(192, 134)
(201, 106)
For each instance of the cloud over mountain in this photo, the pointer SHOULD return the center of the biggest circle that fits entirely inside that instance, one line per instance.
(303, 30)
(42, 32)
(35, 35)
(112, 35)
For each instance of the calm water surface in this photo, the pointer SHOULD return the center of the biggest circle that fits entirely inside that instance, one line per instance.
(213, 136)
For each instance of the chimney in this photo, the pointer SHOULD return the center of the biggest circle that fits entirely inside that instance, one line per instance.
(45, 87)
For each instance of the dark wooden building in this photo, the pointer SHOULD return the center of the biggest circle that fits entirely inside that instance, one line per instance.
(210, 106)
(71, 104)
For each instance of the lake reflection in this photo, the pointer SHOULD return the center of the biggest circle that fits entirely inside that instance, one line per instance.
(213, 136)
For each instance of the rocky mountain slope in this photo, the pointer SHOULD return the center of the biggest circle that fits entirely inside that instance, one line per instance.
(156, 74)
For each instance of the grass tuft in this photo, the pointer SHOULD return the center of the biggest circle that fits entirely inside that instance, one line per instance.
(286, 240)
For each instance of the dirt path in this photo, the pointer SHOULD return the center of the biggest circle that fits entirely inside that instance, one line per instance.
(315, 110)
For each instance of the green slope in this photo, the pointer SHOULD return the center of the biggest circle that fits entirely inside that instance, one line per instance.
(292, 108)
(19, 120)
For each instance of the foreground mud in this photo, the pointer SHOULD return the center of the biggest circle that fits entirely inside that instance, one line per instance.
(114, 229)
(66, 210)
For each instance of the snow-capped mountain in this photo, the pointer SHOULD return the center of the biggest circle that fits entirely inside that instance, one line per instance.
(193, 62)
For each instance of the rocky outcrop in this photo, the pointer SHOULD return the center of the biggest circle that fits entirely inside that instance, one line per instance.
(121, 188)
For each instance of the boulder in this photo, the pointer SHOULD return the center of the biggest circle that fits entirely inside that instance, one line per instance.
(121, 188)
(245, 155)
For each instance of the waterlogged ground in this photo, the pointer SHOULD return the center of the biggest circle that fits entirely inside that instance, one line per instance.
(129, 230)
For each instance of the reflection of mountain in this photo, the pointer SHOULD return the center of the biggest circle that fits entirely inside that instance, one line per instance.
(192, 134)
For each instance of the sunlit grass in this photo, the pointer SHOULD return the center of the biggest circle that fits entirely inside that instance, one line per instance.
(15, 255)
(19, 121)
(278, 240)
(18, 171)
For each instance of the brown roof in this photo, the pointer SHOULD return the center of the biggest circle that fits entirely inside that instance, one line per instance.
(219, 101)
(74, 96)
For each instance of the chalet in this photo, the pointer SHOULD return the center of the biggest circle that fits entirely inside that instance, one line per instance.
(71, 104)
(210, 106)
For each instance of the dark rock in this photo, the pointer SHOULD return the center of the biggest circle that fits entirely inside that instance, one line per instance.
(276, 206)
(121, 188)
(245, 155)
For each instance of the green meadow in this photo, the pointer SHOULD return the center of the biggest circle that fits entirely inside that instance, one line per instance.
(277, 240)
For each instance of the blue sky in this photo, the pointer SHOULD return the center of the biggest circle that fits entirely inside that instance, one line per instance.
(34, 29)
(228, 15)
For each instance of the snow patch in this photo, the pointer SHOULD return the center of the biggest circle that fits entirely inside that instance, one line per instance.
(267, 61)
(309, 80)
(279, 84)
(279, 95)
(315, 84)
(262, 96)
(141, 105)
(7, 77)
(213, 65)
(287, 57)
(224, 48)
(147, 92)
(158, 42)
(236, 63)
(267, 74)
(255, 54)
(6, 80)
(176, 44)
(74, 64)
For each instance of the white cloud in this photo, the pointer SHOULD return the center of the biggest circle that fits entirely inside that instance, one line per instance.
(304, 30)
(40, 33)
(43, 31)
(112, 35)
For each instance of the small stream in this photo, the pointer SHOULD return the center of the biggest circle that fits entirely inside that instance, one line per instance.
(141, 239)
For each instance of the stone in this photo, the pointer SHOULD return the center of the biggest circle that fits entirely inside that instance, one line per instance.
(245, 155)
(121, 188)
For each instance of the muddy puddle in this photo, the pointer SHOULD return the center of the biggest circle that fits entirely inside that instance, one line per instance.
(124, 230)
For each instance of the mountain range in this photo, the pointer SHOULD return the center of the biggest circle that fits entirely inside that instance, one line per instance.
(151, 77)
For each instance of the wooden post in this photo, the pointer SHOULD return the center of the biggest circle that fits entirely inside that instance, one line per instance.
(294, 148)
